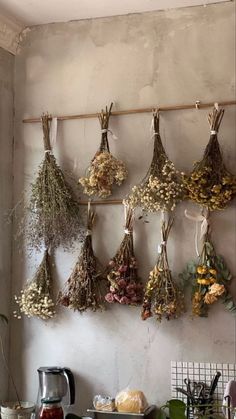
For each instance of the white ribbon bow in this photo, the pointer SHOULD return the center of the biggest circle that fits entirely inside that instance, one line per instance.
(110, 132)
(198, 218)
(153, 133)
(53, 132)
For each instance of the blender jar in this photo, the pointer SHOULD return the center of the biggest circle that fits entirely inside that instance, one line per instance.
(51, 409)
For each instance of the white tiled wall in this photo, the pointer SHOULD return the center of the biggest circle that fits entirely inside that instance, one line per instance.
(201, 372)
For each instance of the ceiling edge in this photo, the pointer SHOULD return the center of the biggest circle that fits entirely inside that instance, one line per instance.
(9, 33)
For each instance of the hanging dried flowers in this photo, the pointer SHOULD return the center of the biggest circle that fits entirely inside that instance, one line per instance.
(105, 170)
(210, 183)
(163, 186)
(125, 285)
(162, 297)
(209, 278)
(83, 288)
(35, 299)
(55, 217)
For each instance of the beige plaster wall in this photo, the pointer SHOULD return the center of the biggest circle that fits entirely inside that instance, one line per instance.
(6, 145)
(138, 60)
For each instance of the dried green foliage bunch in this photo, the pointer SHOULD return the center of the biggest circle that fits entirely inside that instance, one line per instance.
(163, 297)
(55, 216)
(83, 289)
(105, 170)
(209, 278)
(210, 184)
(163, 186)
(125, 286)
(35, 299)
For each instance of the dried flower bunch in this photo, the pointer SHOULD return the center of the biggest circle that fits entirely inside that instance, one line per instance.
(209, 278)
(105, 170)
(35, 299)
(83, 288)
(210, 183)
(125, 285)
(163, 298)
(55, 217)
(163, 186)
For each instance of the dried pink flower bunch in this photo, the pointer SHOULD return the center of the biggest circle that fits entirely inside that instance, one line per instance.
(125, 286)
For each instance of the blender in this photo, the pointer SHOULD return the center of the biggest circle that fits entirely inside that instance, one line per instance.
(56, 389)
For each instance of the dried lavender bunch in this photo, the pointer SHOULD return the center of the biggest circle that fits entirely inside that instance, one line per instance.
(83, 288)
(35, 299)
(105, 170)
(162, 295)
(125, 285)
(210, 184)
(163, 186)
(55, 216)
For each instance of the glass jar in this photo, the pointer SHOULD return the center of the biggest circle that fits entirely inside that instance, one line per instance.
(51, 409)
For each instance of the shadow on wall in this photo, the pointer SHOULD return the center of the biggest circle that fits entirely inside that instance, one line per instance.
(84, 392)
(18, 274)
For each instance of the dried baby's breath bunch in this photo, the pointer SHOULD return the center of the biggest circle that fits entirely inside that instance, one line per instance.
(210, 184)
(104, 170)
(83, 288)
(163, 186)
(55, 216)
(35, 299)
(163, 297)
(210, 278)
(125, 284)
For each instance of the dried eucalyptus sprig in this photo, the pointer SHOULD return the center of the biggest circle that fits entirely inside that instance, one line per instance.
(35, 299)
(163, 186)
(163, 297)
(104, 170)
(210, 183)
(125, 285)
(209, 278)
(83, 289)
(55, 216)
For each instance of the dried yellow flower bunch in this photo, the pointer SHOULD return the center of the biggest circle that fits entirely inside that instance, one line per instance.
(35, 300)
(163, 186)
(83, 288)
(163, 297)
(210, 184)
(209, 277)
(105, 170)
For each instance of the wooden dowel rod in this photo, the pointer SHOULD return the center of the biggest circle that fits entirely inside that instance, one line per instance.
(107, 202)
(134, 111)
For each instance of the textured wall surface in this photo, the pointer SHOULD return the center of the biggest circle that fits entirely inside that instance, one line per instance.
(6, 141)
(137, 60)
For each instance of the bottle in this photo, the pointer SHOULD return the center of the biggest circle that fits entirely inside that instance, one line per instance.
(51, 409)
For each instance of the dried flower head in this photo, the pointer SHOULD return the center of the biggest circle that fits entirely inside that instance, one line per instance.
(35, 299)
(163, 186)
(105, 170)
(210, 183)
(217, 290)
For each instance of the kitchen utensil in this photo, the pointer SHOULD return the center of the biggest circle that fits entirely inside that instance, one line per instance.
(189, 391)
(56, 384)
(214, 383)
(181, 390)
